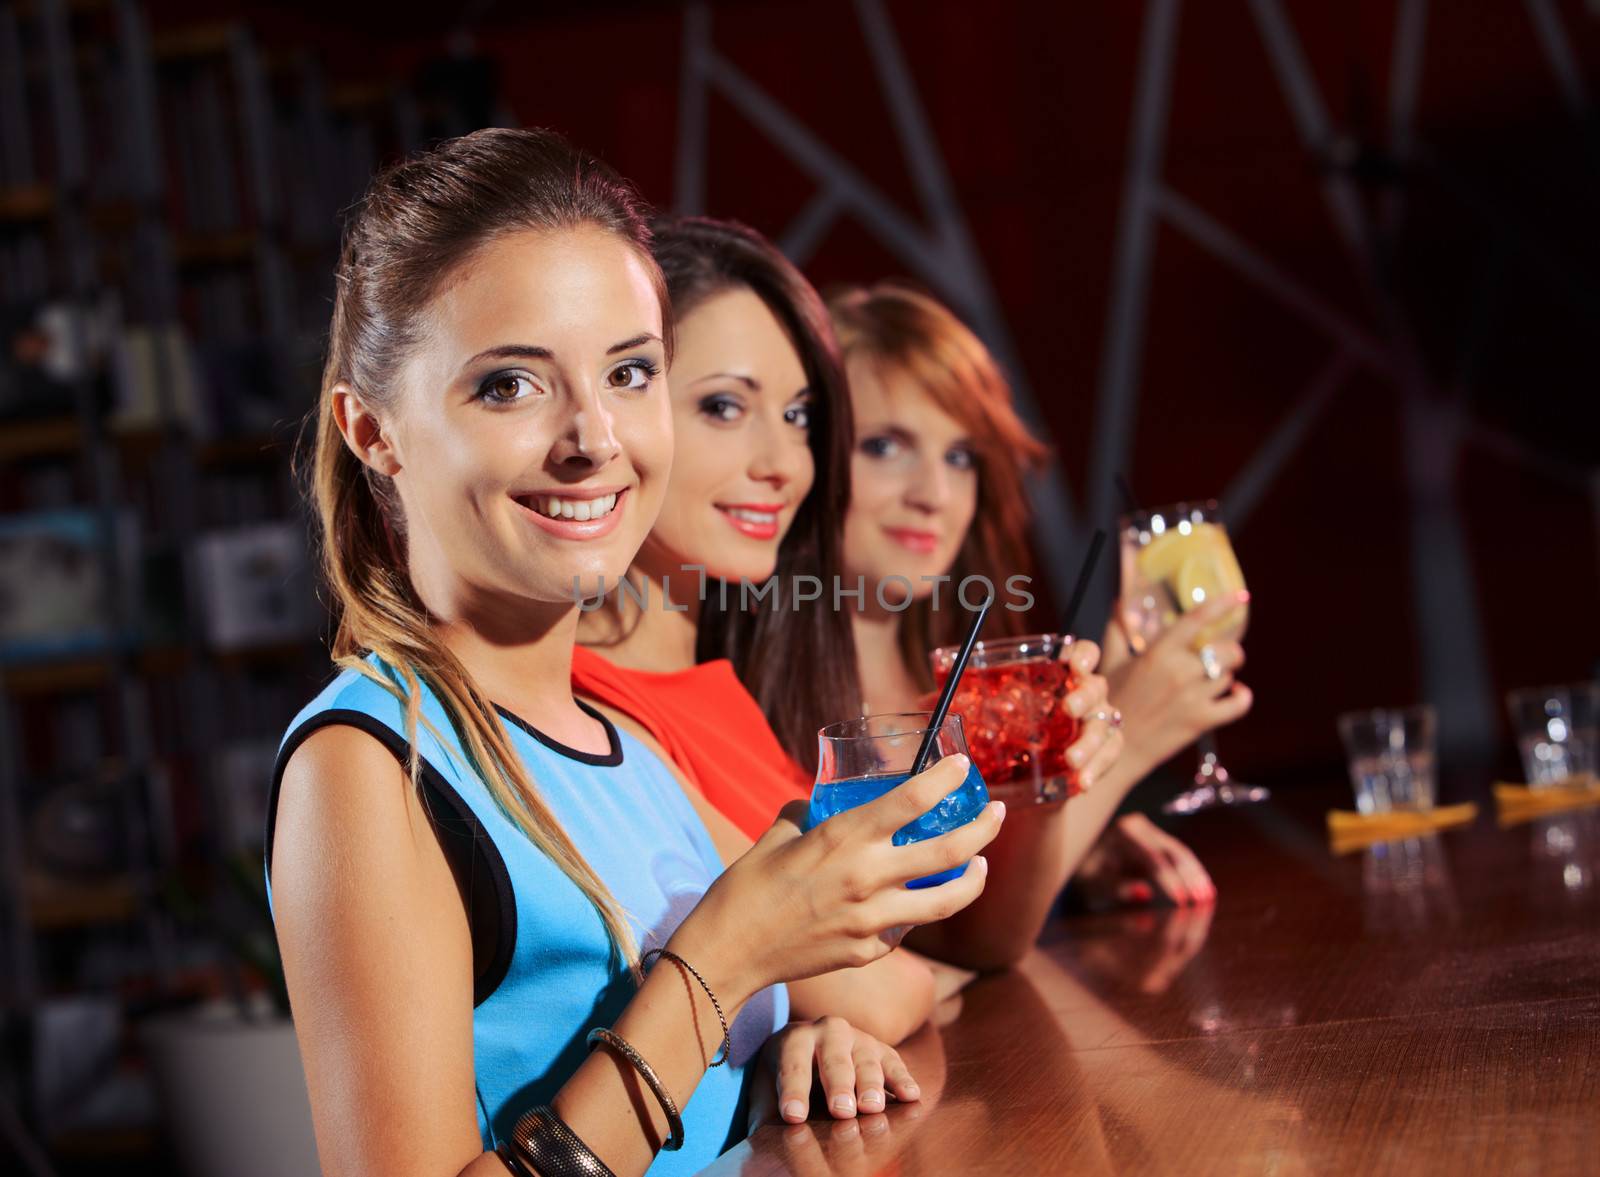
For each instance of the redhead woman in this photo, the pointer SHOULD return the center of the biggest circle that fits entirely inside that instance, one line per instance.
(509, 939)
(937, 490)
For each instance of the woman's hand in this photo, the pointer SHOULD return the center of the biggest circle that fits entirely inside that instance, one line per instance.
(796, 905)
(856, 1072)
(1135, 859)
(1165, 696)
(1099, 742)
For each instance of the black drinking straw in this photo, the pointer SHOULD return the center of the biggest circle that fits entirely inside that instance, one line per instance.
(942, 708)
(1082, 588)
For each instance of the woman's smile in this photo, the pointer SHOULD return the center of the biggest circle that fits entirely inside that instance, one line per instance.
(577, 513)
(923, 543)
(757, 520)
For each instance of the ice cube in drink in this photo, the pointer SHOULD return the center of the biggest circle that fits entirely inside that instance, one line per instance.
(955, 811)
(1012, 703)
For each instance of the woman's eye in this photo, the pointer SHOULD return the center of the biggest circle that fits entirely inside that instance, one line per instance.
(503, 388)
(721, 408)
(634, 374)
(880, 447)
(961, 459)
(798, 415)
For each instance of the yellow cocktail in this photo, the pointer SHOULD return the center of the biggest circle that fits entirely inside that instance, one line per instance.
(1174, 560)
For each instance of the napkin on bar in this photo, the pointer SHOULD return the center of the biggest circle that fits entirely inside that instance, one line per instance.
(1349, 830)
(1521, 800)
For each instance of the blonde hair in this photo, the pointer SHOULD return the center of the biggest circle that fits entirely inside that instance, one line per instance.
(898, 329)
(417, 223)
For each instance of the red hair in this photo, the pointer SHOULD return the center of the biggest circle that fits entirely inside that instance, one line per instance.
(900, 330)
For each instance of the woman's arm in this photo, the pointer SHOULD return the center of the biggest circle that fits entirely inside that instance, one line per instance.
(888, 999)
(378, 959)
(377, 956)
(1037, 849)
(1167, 702)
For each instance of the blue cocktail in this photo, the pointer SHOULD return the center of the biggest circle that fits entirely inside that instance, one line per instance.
(862, 759)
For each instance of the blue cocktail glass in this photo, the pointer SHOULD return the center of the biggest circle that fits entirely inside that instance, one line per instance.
(859, 760)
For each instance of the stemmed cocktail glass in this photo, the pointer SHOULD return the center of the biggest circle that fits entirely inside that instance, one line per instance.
(1175, 559)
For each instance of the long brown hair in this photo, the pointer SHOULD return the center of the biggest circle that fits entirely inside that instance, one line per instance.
(799, 663)
(898, 329)
(418, 223)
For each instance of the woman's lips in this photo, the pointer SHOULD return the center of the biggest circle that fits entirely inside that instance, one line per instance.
(756, 520)
(923, 543)
(576, 529)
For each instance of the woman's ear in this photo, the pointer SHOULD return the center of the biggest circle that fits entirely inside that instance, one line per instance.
(363, 432)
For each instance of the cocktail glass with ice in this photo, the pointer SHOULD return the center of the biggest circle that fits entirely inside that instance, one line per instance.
(859, 760)
(1012, 704)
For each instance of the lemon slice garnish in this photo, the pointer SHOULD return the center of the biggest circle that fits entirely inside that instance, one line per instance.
(1210, 569)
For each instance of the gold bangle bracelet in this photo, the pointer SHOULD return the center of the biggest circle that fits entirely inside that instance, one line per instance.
(619, 1044)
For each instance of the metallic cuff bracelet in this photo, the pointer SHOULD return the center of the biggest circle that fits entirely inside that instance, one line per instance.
(541, 1139)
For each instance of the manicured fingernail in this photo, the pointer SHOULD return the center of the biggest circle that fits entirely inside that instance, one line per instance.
(999, 810)
(1077, 756)
(1243, 595)
(1075, 705)
(980, 864)
(961, 761)
(844, 1105)
(872, 1101)
(911, 1091)
(1139, 892)
(794, 1111)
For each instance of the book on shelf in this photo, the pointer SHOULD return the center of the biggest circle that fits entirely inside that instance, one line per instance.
(154, 371)
(255, 585)
(54, 600)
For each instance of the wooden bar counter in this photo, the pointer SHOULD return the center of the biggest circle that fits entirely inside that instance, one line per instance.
(1423, 1006)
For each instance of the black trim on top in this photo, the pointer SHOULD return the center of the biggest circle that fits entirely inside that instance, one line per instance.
(471, 852)
(604, 759)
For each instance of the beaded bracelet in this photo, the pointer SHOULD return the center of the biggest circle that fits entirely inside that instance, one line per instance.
(621, 1045)
(541, 1139)
(727, 1038)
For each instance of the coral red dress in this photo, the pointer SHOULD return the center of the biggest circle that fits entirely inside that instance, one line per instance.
(710, 726)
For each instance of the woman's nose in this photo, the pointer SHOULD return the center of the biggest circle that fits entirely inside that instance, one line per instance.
(777, 460)
(588, 436)
(929, 488)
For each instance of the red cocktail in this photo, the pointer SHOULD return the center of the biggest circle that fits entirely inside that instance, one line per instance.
(1012, 703)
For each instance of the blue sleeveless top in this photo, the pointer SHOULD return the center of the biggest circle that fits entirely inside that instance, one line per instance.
(544, 969)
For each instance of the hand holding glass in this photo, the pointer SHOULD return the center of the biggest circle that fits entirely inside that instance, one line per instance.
(859, 760)
(1175, 559)
(1013, 709)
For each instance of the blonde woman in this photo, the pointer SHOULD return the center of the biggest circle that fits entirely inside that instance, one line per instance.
(470, 871)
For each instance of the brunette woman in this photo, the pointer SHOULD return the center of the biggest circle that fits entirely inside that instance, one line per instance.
(733, 688)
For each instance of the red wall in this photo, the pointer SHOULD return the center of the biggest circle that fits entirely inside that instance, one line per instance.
(1031, 105)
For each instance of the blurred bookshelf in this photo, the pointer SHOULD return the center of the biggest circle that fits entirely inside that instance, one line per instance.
(169, 217)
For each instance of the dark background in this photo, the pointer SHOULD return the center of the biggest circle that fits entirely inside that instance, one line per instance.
(1430, 533)
(1494, 266)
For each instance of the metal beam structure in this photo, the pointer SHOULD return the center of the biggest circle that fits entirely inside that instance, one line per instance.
(938, 249)
(934, 244)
